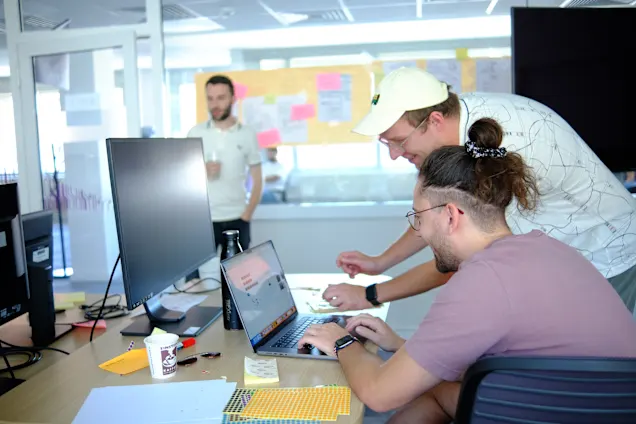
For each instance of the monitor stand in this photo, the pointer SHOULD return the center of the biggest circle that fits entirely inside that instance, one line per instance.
(7, 384)
(189, 324)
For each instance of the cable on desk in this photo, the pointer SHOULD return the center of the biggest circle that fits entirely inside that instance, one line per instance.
(6, 361)
(101, 309)
(196, 284)
(32, 353)
(109, 311)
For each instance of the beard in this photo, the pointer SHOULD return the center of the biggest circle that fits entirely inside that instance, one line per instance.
(445, 260)
(226, 114)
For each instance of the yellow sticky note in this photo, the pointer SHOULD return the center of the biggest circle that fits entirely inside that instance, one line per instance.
(157, 330)
(63, 306)
(260, 371)
(461, 54)
(270, 99)
(74, 297)
(127, 363)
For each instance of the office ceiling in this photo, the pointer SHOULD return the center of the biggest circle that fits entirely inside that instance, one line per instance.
(240, 15)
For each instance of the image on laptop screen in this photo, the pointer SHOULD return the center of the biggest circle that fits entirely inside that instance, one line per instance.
(260, 290)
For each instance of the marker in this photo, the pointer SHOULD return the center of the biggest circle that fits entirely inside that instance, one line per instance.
(186, 343)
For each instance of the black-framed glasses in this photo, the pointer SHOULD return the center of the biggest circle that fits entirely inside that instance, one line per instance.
(414, 219)
(191, 359)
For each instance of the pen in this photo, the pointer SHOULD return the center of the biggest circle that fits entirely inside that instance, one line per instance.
(130, 346)
(186, 343)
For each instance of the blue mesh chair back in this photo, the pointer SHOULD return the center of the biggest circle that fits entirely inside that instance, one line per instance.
(542, 390)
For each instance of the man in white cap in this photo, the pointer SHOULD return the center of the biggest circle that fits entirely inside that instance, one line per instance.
(582, 203)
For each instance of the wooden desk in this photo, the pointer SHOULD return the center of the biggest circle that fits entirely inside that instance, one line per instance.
(56, 394)
(18, 332)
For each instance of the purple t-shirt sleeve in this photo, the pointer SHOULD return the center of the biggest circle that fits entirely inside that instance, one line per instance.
(469, 317)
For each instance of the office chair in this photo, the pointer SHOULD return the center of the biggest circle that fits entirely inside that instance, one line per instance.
(546, 390)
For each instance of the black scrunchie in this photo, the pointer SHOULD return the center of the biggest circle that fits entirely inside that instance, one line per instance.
(484, 152)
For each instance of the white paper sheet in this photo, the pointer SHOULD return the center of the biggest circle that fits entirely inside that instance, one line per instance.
(448, 71)
(494, 75)
(291, 131)
(335, 105)
(390, 66)
(180, 302)
(184, 402)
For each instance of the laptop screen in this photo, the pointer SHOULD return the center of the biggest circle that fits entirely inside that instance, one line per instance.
(260, 290)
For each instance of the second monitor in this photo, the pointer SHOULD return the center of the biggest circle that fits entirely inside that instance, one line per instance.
(164, 226)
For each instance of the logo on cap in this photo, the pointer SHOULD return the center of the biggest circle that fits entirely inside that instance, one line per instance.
(375, 99)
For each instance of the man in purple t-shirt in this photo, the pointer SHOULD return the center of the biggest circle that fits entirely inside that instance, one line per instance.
(510, 294)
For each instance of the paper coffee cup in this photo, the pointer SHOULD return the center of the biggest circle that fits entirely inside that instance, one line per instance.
(162, 354)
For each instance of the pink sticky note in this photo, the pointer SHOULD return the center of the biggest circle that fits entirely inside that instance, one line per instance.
(100, 324)
(268, 138)
(330, 81)
(301, 112)
(240, 90)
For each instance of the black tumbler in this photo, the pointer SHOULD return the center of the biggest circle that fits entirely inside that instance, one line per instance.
(231, 247)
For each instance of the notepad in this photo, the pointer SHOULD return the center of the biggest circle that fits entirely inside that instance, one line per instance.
(127, 363)
(260, 371)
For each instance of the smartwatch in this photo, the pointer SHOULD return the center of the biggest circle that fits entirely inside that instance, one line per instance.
(347, 340)
(372, 295)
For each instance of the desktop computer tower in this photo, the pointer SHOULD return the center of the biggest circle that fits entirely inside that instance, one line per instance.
(38, 244)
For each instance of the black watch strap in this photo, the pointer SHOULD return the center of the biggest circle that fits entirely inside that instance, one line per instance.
(347, 340)
(372, 295)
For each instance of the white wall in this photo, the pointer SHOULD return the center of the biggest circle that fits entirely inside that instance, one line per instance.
(309, 238)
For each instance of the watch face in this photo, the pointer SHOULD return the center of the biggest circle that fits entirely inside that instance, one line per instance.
(343, 340)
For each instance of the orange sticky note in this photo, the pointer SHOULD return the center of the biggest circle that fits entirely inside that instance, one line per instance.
(268, 138)
(100, 324)
(302, 112)
(329, 81)
(127, 363)
(240, 90)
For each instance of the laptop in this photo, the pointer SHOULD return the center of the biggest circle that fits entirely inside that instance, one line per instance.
(266, 306)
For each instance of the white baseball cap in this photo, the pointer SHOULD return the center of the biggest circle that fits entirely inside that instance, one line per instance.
(400, 91)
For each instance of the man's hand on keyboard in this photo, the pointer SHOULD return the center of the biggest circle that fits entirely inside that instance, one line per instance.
(324, 337)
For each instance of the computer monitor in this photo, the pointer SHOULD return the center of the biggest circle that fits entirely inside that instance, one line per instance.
(14, 284)
(163, 221)
(577, 62)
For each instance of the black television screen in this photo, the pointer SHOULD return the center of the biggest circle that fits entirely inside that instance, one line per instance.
(575, 61)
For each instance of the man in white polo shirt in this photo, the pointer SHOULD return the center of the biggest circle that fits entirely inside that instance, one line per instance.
(231, 150)
(582, 203)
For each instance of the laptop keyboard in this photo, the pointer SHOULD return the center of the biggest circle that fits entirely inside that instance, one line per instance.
(293, 335)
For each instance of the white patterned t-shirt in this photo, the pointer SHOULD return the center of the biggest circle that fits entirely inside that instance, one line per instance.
(582, 203)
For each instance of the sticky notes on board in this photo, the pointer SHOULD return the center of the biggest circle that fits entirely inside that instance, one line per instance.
(260, 371)
(240, 90)
(269, 99)
(302, 112)
(328, 81)
(268, 138)
(461, 53)
(127, 363)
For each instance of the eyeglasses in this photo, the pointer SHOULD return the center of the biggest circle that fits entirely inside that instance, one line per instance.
(189, 360)
(414, 219)
(400, 145)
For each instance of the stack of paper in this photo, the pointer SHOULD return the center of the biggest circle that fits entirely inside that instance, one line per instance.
(186, 402)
